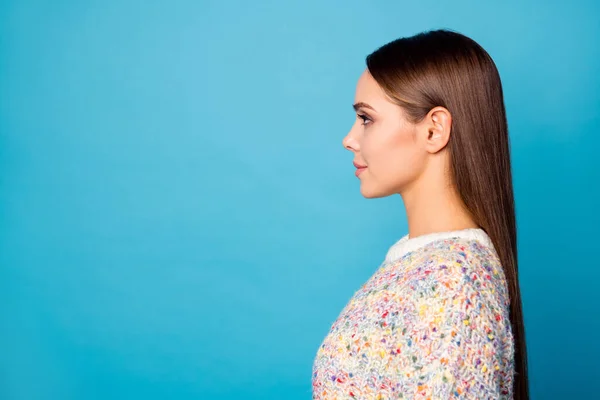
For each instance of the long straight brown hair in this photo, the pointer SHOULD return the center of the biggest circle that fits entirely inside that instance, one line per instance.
(448, 69)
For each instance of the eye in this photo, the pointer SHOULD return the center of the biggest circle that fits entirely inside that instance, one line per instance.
(365, 118)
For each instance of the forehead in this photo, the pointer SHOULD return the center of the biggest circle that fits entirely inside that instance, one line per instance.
(369, 91)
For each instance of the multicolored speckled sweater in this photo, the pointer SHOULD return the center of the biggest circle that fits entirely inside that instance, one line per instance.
(431, 323)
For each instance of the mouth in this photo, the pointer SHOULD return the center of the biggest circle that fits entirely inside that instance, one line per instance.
(359, 168)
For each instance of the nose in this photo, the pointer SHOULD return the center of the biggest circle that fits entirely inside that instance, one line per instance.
(350, 143)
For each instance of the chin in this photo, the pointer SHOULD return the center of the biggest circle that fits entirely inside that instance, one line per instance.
(372, 193)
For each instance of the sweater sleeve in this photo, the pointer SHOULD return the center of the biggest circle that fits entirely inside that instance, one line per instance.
(448, 335)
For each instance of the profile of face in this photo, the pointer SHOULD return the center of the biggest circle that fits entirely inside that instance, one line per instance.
(394, 152)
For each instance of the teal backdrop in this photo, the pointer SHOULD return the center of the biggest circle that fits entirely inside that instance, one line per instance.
(179, 219)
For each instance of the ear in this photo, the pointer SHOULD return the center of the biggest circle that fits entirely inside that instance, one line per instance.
(437, 123)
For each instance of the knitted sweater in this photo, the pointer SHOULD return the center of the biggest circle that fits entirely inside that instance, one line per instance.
(431, 323)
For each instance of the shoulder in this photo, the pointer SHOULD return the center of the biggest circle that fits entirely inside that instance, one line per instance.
(454, 267)
(458, 284)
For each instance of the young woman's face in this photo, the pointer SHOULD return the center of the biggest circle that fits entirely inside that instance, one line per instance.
(384, 142)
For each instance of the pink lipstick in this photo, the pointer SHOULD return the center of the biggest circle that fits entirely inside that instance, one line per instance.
(359, 168)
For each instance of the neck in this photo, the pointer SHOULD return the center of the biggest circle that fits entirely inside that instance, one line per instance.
(435, 207)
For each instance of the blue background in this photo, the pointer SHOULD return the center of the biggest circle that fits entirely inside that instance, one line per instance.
(180, 220)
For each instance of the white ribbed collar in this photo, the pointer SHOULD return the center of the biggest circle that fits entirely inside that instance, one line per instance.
(405, 245)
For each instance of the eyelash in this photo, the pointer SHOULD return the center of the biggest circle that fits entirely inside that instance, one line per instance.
(364, 118)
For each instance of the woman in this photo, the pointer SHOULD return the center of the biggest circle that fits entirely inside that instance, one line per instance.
(441, 318)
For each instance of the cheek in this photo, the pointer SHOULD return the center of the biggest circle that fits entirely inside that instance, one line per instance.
(389, 151)
(391, 155)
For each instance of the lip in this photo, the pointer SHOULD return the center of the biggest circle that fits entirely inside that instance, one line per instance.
(359, 168)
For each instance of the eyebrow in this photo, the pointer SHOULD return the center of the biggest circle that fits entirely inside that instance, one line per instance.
(360, 104)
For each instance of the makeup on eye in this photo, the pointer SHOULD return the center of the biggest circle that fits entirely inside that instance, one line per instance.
(360, 113)
(366, 119)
